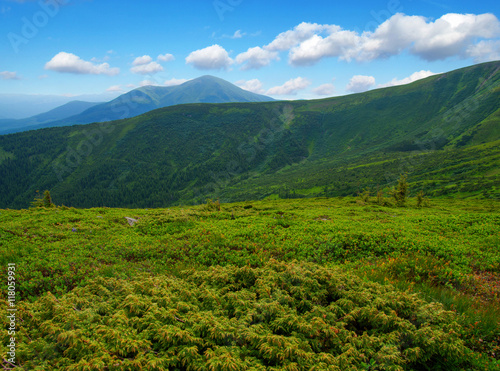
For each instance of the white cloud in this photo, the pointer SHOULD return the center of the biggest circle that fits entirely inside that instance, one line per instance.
(301, 32)
(256, 58)
(139, 61)
(237, 35)
(165, 57)
(41, 77)
(147, 69)
(414, 77)
(115, 88)
(8, 75)
(173, 82)
(360, 83)
(485, 51)
(214, 57)
(462, 35)
(291, 87)
(70, 63)
(325, 89)
(254, 85)
(452, 33)
(341, 44)
(448, 36)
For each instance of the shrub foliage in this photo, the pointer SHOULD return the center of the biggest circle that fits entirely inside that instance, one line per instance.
(293, 316)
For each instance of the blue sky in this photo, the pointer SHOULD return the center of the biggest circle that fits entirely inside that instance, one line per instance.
(285, 49)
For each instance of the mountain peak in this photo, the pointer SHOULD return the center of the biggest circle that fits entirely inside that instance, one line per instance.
(203, 89)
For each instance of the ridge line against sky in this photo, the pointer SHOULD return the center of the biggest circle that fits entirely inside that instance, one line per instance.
(282, 49)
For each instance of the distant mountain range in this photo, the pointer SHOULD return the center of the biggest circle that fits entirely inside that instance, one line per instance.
(444, 131)
(205, 89)
(59, 113)
(22, 106)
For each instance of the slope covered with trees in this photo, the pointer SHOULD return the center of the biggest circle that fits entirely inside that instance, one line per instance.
(443, 131)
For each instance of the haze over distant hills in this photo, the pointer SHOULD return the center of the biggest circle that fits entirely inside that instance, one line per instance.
(205, 89)
(444, 131)
(21, 106)
(58, 113)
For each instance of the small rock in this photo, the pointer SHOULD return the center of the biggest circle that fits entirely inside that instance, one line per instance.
(99, 216)
(131, 221)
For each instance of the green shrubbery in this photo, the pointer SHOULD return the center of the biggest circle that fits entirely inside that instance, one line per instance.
(45, 201)
(60, 249)
(281, 316)
(401, 191)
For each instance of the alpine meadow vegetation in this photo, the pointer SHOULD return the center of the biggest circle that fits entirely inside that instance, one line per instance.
(296, 284)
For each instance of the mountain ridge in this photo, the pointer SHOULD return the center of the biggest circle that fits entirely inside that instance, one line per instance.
(204, 89)
(442, 130)
(8, 126)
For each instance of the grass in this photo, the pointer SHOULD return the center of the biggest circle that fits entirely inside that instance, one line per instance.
(446, 253)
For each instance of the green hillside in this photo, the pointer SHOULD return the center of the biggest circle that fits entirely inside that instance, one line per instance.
(310, 284)
(443, 131)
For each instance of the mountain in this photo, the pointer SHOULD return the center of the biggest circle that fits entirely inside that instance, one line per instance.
(21, 106)
(443, 131)
(205, 89)
(66, 110)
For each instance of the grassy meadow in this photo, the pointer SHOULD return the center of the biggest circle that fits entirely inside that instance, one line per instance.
(320, 283)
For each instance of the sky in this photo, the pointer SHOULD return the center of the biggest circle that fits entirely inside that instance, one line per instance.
(284, 49)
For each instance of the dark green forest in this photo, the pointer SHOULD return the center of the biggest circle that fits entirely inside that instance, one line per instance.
(444, 131)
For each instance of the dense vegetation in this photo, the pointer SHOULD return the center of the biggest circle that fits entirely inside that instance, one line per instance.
(320, 283)
(385, 281)
(444, 131)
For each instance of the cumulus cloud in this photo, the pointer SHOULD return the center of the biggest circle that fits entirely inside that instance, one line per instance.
(452, 33)
(291, 87)
(485, 51)
(301, 32)
(462, 35)
(70, 63)
(8, 75)
(341, 44)
(254, 85)
(165, 57)
(414, 77)
(256, 58)
(360, 83)
(147, 69)
(214, 57)
(139, 61)
(325, 89)
(173, 82)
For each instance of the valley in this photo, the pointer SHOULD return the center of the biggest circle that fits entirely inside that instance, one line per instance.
(443, 131)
